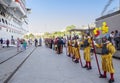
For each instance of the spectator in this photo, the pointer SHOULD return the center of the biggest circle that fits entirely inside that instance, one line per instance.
(59, 46)
(111, 38)
(40, 42)
(55, 43)
(36, 42)
(29, 41)
(18, 44)
(117, 39)
(21, 46)
(24, 44)
(1, 41)
(7, 43)
(50, 43)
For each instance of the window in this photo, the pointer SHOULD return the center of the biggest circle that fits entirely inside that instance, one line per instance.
(3, 20)
(6, 22)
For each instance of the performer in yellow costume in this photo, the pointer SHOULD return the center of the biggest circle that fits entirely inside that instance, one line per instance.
(69, 48)
(73, 48)
(107, 64)
(76, 52)
(87, 46)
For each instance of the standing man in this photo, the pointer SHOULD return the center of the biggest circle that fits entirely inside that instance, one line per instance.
(1, 42)
(69, 45)
(107, 64)
(77, 52)
(24, 44)
(18, 44)
(59, 45)
(40, 42)
(87, 42)
(36, 42)
(117, 39)
(7, 43)
(111, 38)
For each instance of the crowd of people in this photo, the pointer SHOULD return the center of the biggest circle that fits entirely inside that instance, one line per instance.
(21, 44)
(114, 37)
(4, 43)
(73, 46)
(108, 49)
(109, 45)
(38, 42)
(56, 44)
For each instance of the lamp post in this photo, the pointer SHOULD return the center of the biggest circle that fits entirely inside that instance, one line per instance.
(119, 4)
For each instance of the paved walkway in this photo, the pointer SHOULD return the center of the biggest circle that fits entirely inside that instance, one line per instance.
(45, 66)
(9, 66)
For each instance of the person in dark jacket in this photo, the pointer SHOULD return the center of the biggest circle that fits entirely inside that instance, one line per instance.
(7, 42)
(59, 45)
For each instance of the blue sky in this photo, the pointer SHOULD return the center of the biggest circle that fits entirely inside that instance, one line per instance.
(55, 15)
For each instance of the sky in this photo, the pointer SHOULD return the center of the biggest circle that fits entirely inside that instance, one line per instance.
(56, 15)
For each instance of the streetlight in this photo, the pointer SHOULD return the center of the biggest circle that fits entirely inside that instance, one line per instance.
(119, 4)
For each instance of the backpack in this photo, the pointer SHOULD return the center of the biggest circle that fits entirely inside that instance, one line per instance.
(86, 43)
(104, 49)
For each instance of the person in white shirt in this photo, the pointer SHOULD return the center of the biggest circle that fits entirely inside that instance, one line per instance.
(112, 38)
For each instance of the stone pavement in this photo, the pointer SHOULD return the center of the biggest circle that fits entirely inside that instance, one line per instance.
(9, 66)
(45, 66)
(6, 49)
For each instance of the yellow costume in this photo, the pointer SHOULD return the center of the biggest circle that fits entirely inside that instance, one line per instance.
(73, 49)
(69, 48)
(107, 58)
(107, 64)
(76, 49)
(87, 53)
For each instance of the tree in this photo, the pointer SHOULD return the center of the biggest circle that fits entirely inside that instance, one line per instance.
(70, 27)
(47, 34)
(26, 36)
(31, 36)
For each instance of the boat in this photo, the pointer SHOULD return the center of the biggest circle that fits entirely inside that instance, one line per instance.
(13, 19)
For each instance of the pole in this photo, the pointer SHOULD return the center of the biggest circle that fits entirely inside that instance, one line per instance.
(95, 54)
(80, 57)
(96, 58)
(81, 62)
(119, 4)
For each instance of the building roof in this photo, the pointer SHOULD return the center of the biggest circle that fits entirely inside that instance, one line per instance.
(108, 15)
(81, 29)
